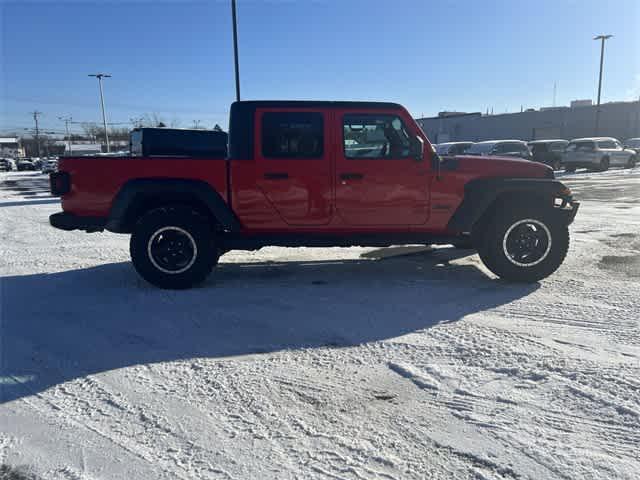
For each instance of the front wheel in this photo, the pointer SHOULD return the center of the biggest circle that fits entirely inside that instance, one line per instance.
(524, 245)
(173, 247)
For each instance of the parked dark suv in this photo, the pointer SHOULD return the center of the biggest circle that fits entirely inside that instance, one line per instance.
(25, 164)
(548, 152)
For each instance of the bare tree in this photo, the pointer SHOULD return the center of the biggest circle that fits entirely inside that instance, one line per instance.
(119, 134)
(153, 120)
(93, 131)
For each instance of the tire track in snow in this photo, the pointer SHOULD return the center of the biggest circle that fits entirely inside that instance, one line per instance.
(51, 409)
(542, 370)
(134, 428)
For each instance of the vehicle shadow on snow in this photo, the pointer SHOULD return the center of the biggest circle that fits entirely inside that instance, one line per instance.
(60, 326)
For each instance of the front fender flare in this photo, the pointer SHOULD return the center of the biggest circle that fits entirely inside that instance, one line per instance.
(481, 194)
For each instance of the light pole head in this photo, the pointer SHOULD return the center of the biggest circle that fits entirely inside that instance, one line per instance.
(100, 75)
(602, 37)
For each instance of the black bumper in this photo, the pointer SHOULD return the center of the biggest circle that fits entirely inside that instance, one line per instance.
(68, 221)
(569, 210)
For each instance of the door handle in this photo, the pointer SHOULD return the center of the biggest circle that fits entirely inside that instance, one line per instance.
(351, 176)
(276, 175)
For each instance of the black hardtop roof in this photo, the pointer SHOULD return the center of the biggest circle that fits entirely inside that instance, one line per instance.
(177, 129)
(314, 104)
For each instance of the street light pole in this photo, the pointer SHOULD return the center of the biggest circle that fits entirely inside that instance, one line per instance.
(66, 121)
(235, 48)
(35, 119)
(100, 76)
(602, 39)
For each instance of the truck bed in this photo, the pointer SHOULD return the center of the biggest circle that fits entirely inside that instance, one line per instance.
(96, 180)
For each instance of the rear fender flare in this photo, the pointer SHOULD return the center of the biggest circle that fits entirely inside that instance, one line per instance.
(135, 192)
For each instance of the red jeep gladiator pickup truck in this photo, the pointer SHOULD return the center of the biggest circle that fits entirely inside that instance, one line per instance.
(303, 173)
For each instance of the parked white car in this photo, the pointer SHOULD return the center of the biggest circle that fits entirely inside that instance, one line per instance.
(7, 165)
(597, 153)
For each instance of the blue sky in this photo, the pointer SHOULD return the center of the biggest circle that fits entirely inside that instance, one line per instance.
(174, 57)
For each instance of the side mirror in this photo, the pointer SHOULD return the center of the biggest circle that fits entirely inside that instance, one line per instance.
(416, 149)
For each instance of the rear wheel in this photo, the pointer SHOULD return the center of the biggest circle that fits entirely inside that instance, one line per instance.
(604, 164)
(524, 245)
(173, 247)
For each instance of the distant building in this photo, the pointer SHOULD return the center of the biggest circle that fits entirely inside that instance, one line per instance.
(83, 149)
(10, 147)
(581, 103)
(617, 119)
(450, 114)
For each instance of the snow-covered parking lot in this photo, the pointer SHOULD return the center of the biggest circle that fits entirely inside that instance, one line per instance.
(347, 363)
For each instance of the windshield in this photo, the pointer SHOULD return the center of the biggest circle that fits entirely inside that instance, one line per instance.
(442, 149)
(480, 148)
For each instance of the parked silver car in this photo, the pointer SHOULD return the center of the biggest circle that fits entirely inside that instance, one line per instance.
(597, 153)
(502, 148)
(452, 148)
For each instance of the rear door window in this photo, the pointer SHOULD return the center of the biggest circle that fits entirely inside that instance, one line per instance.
(606, 144)
(500, 148)
(580, 147)
(538, 148)
(292, 135)
(459, 149)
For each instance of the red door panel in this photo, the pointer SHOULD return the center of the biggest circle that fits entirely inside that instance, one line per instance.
(293, 163)
(377, 181)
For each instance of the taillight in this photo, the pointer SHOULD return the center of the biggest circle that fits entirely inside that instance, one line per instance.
(60, 183)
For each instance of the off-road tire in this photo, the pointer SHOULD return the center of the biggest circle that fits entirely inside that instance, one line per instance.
(493, 252)
(199, 235)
